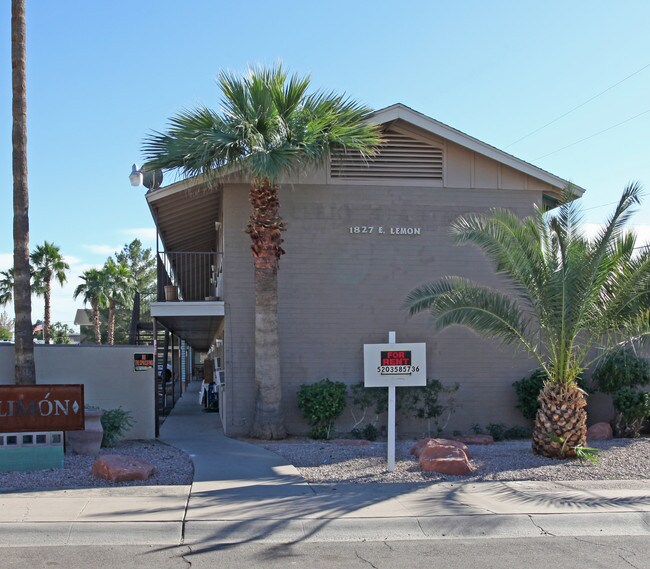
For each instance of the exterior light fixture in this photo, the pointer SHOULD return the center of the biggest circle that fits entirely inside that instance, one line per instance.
(151, 179)
(136, 176)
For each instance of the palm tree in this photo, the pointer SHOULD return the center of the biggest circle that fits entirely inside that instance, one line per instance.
(119, 284)
(93, 290)
(268, 126)
(47, 263)
(571, 301)
(6, 286)
(25, 373)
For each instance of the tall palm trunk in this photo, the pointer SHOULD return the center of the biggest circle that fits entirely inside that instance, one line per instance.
(265, 229)
(47, 298)
(561, 421)
(25, 372)
(111, 321)
(96, 325)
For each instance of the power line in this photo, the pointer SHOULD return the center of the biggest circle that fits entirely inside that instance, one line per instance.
(580, 105)
(592, 135)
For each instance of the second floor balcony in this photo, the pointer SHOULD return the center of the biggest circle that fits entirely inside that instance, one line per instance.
(190, 276)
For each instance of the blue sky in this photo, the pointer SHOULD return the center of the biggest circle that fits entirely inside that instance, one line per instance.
(103, 74)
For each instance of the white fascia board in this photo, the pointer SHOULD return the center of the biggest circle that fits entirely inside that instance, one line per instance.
(399, 111)
(176, 187)
(183, 308)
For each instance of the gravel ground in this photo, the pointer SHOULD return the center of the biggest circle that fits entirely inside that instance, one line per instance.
(173, 467)
(350, 461)
(344, 461)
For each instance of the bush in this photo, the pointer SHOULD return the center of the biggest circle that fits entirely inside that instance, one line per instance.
(370, 432)
(528, 389)
(518, 432)
(115, 423)
(497, 430)
(433, 402)
(623, 368)
(632, 409)
(321, 404)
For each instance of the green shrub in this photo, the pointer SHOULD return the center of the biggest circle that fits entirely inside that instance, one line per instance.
(528, 389)
(370, 432)
(115, 423)
(623, 368)
(518, 432)
(321, 404)
(497, 430)
(632, 409)
(433, 402)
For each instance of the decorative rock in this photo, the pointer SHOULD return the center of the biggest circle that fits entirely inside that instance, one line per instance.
(455, 463)
(600, 432)
(425, 443)
(120, 468)
(475, 439)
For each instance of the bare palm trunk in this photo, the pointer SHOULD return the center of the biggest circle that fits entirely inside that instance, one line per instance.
(96, 326)
(47, 298)
(25, 372)
(265, 229)
(111, 321)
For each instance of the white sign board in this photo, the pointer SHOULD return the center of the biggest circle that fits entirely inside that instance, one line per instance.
(394, 365)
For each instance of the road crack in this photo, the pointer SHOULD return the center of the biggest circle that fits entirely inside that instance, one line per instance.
(363, 559)
(182, 556)
(540, 528)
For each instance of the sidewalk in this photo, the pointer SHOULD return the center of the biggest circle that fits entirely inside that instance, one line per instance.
(243, 493)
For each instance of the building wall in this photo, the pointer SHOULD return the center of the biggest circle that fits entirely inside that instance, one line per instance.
(339, 288)
(106, 372)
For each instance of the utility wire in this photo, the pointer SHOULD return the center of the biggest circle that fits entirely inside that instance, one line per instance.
(592, 135)
(580, 105)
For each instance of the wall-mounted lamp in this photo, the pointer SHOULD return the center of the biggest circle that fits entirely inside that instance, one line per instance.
(149, 179)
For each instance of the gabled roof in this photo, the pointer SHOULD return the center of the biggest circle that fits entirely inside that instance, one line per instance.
(400, 111)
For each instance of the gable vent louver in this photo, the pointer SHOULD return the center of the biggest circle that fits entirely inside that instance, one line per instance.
(400, 157)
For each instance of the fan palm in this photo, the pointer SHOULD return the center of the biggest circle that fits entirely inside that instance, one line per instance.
(93, 290)
(570, 300)
(119, 284)
(268, 126)
(6, 286)
(47, 263)
(25, 369)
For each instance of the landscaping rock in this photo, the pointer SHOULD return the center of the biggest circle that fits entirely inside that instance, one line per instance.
(600, 432)
(475, 439)
(418, 447)
(120, 468)
(454, 463)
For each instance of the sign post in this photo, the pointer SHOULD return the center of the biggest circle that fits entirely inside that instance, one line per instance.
(391, 365)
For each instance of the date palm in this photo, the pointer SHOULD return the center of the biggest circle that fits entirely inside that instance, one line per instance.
(118, 287)
(269, 125)
(568, 301)
(93, 290)
(47, 264)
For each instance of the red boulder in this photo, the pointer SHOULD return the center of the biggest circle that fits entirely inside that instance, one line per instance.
(600, 432)
(120, 468)
(475, 439)
(418, 447)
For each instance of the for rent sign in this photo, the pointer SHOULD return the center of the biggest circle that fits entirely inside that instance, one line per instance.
(397, 365)
(41, 408)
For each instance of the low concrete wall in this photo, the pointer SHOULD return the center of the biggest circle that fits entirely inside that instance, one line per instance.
(106, 372)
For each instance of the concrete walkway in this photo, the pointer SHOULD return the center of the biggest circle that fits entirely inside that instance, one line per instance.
(243, 493)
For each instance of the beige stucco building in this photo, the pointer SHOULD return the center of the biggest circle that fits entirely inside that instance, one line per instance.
(360, 237)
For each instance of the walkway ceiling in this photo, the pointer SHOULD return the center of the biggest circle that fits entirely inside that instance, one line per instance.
(185, 215)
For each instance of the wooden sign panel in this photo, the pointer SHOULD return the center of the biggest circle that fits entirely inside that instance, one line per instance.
(41, 408)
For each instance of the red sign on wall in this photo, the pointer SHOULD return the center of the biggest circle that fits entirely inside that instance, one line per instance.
(41, 408)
